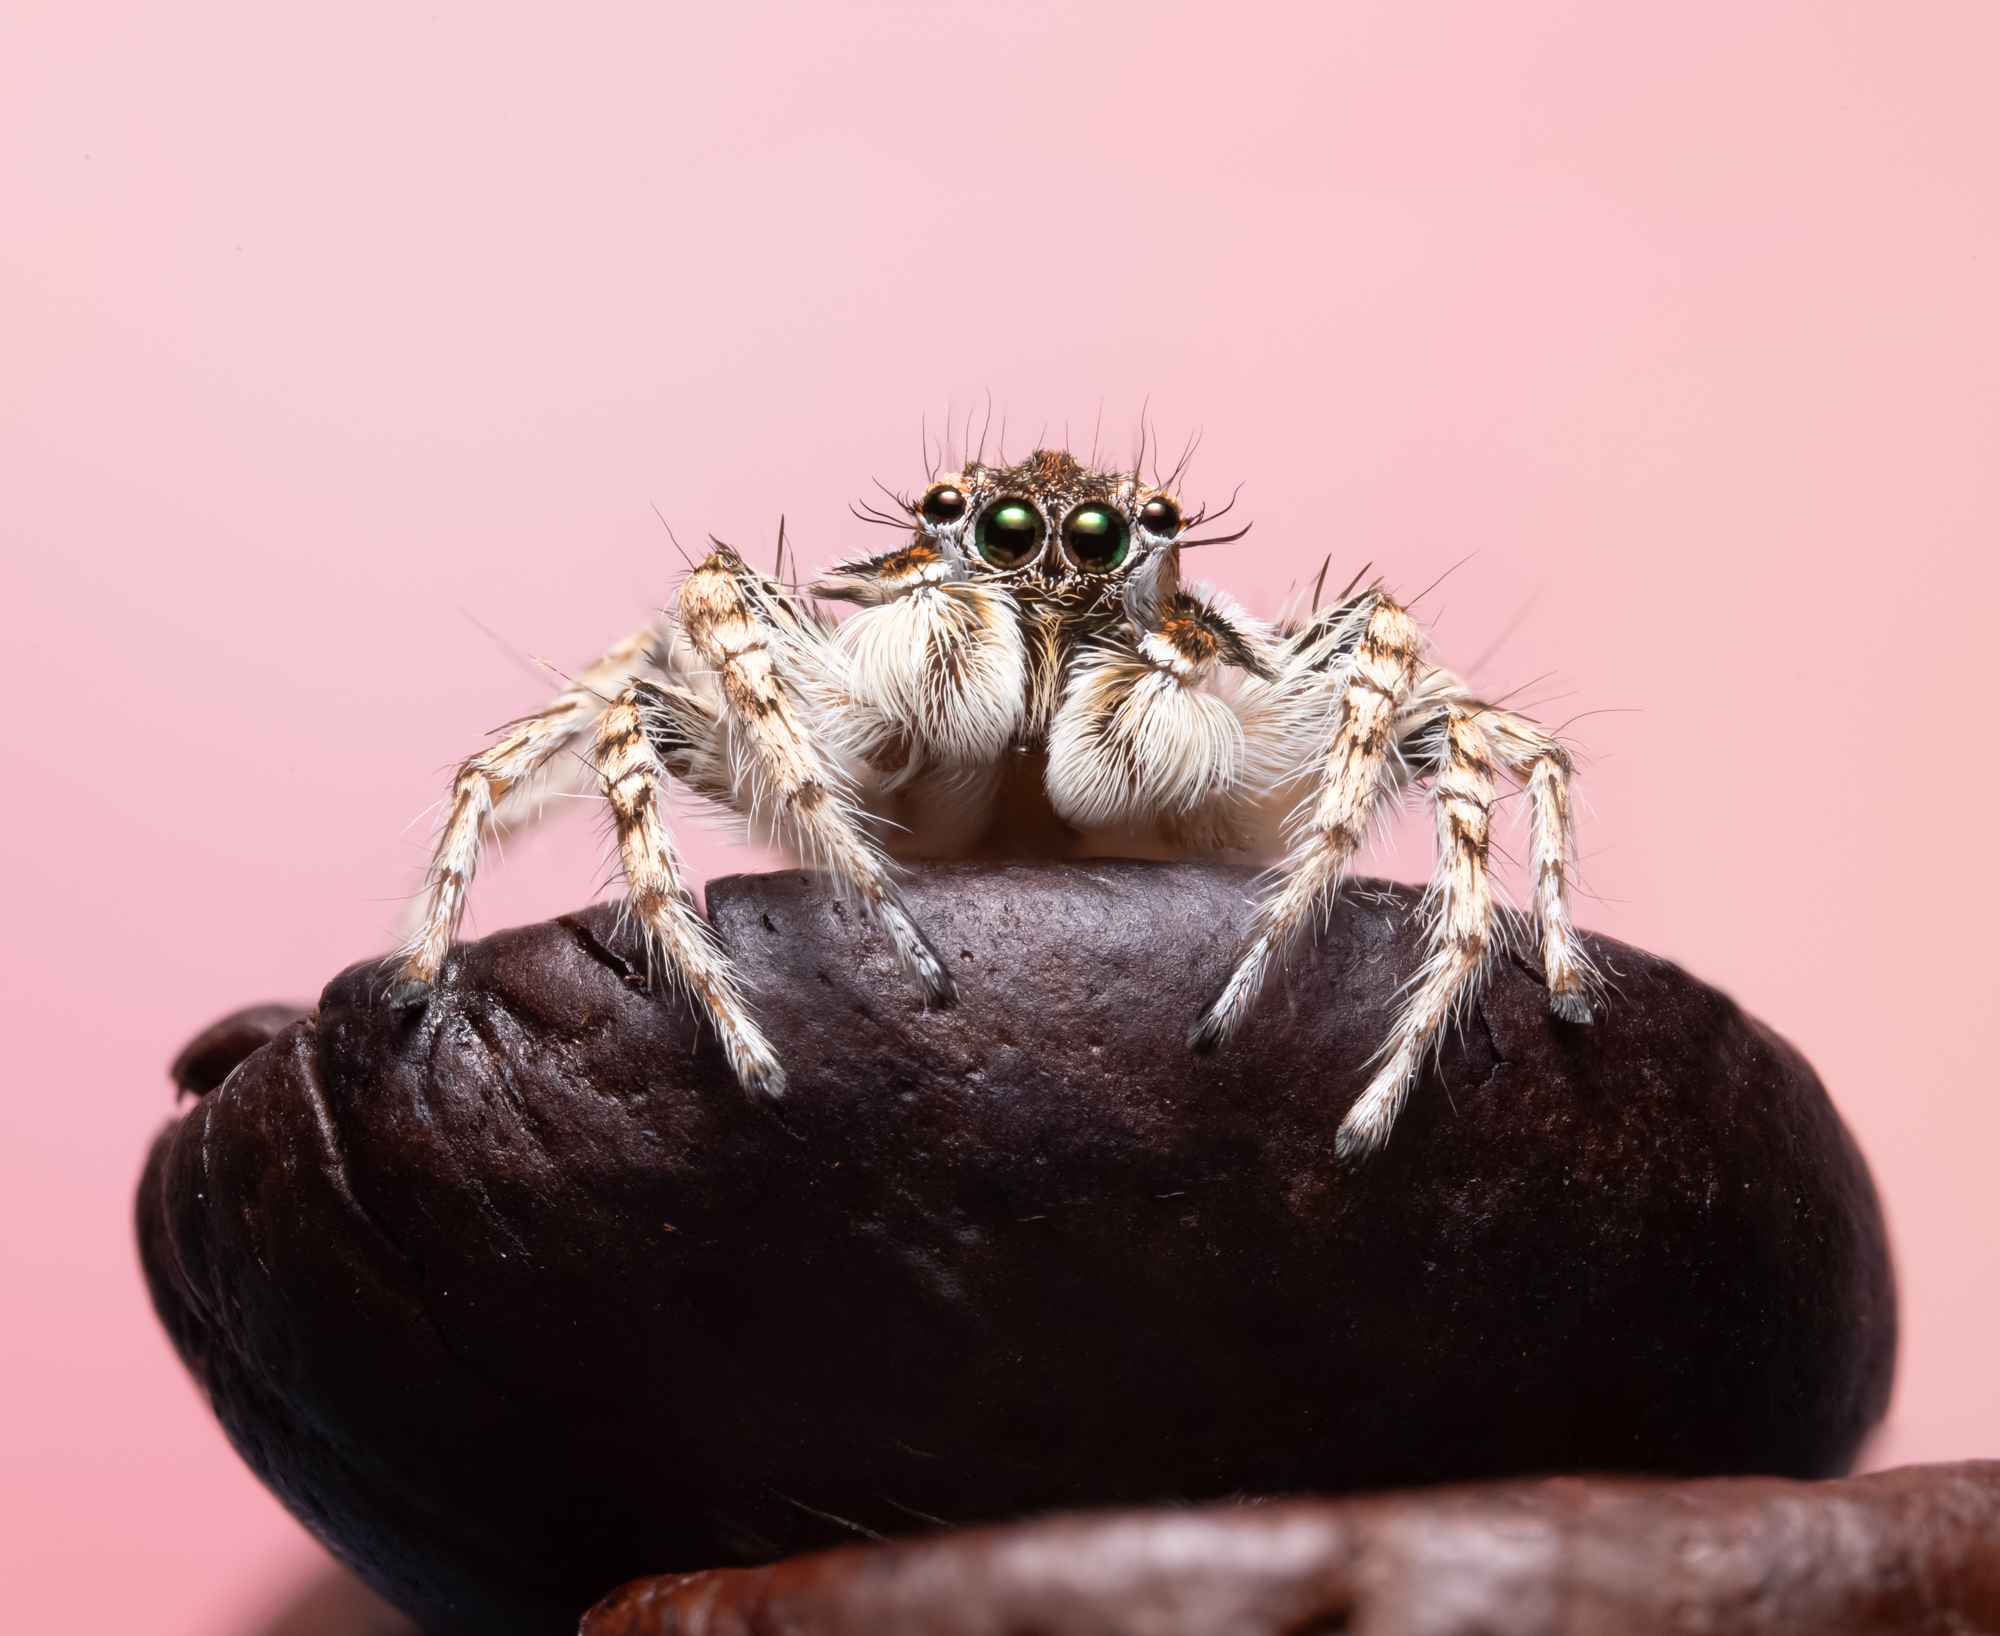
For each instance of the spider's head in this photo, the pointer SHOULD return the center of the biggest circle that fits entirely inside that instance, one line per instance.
(1048, 529)
(1049, 523)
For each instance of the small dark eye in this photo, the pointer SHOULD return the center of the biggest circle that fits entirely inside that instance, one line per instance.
(944, 504)
(1161, 516)
(1096, 538)
(1010, 532)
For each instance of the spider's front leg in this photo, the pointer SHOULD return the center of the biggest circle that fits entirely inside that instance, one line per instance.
(747, 632)
(1361, 766)
(735, 728)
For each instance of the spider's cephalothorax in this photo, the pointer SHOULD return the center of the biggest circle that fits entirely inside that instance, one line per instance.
(976, 636)
(1028, 671)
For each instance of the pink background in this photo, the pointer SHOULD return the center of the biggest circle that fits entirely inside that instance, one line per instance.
(327, 332)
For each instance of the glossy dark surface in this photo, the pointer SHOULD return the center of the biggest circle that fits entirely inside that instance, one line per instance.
(520, 1296)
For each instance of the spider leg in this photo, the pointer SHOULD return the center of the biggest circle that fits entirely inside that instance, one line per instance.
(743, 628)
(1538, 760)
(1360, 767)
(488, 791)
(634, 776)
(1458, 913)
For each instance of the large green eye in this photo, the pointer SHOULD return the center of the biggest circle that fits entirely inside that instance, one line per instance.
(944, 504)
(1010, 533)
(1096, 538)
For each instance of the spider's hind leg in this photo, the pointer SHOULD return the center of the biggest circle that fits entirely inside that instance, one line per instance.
(1539, 761)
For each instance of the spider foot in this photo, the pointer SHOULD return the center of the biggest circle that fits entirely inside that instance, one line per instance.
(1365, 1130)
(409, 993)
(759, 1072)
(940, 987)
(1571, 1006)
(1210, 1031)
(1225, 1014)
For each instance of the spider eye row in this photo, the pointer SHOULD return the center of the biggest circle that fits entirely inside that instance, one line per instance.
(1010, 531)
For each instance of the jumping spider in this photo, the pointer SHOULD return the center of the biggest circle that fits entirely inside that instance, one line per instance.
(1028, 671)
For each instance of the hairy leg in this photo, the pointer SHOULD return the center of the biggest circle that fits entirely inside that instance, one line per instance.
(739, 626)
(490, 788)
(1359, 768)
(1541, 763)
(634, 779)
(1458, 913)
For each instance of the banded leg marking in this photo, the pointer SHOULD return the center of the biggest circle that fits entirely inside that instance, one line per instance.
(1358, 771)
(1458, 912)
(1541, 763)
(723, 614)
(634, 780)
(488, 789)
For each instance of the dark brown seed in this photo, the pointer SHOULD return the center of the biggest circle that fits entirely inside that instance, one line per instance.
(1022, 1253)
